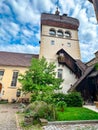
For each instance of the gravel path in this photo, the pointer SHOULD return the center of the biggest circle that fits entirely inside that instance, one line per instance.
(7, 116)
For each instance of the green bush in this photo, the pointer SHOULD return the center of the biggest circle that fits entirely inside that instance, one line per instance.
(2, 101)
(74, 99)
(40, 109)
(61, 106)
(57, 97)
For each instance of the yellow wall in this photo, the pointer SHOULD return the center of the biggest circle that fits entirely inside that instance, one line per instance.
(10, 92)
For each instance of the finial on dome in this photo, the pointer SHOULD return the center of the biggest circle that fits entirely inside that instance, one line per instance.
(57, 12)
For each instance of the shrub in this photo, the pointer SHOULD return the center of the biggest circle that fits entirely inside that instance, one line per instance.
(74, 99)
(57, 97)
(61, 105)
(40, 109)
(3, 101)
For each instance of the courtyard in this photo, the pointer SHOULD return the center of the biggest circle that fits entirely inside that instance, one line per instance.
(9, 121)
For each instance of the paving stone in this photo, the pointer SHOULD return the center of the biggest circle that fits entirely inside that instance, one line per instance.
(72, 127)
(7, 117)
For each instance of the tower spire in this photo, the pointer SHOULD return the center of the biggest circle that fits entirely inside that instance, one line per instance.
(57, 11)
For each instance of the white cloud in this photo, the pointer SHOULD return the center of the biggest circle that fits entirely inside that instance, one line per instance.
(24, 11)
(27, 32)
(87, 51)
(29, 11)
(21, 23)
(21, 48)
(66, 6)
(42, 5)
(13, 28)
(4, 8)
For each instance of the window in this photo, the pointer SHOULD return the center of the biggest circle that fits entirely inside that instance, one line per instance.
(52, 32)
(60, 33)
(1, 74)
(14, 78)
(60, 72)
(52, 42)
(69, 44)
(67, 34)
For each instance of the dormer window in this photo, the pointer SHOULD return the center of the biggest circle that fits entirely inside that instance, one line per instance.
(52, 32)
(67, 34)
(60, 33)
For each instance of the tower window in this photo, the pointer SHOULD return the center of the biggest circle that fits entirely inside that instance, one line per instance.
(1, 72)
(52, 32)
(60, 73)
(60, 33)
(67, 34)
(52, 42)
(69, 44)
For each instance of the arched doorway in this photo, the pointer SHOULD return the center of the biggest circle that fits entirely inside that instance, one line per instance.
(0, 88)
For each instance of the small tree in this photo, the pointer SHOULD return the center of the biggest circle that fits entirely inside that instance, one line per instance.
(40, 80)
(61, 105)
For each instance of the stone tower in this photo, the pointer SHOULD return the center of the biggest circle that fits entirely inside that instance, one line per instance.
(59, 37)
(59, 32)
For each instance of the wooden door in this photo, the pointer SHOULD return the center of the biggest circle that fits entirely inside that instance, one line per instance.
(0, 87)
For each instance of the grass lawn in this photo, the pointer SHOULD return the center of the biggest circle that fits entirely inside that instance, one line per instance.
(70, 114)
(76, 113)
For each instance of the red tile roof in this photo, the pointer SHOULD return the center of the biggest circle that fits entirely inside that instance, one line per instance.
(16, 59)
(59, 21)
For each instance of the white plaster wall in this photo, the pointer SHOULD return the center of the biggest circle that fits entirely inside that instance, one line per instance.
(68, 76)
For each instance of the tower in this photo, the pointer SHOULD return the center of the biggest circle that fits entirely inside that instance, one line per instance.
(59, 32)
(59, 37)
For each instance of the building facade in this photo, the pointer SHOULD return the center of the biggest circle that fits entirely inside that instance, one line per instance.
(60, 32)
(11, 65)
(94, 60)
(59, 44)
(87, 84)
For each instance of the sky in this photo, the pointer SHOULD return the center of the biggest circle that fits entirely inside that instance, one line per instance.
(20, 24)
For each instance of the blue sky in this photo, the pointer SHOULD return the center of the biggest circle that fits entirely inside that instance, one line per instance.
(20, 24)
